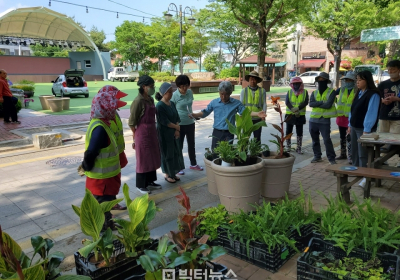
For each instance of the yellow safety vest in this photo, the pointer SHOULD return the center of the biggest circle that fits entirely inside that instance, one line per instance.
(324, 113)
(255, 104)
(117, 129)
(106, 164)
(296, 101)
(344, 102)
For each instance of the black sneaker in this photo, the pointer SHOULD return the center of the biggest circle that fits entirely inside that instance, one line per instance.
(154, 185)
(332, 162)
(314, 160)
(144, 190)
(17, 122)
(7, 122)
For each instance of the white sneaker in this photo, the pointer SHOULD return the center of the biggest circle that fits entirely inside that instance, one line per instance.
(362, 183)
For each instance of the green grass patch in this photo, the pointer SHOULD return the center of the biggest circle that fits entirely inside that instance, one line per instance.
(82, 105)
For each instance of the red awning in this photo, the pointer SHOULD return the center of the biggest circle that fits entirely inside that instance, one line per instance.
(343, 63)
(311, 63)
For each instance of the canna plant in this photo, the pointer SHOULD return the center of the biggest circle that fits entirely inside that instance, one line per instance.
(135, 232)
(191, 249)
(14, 264)
(243, 130)
(280, 139)
(91, 215)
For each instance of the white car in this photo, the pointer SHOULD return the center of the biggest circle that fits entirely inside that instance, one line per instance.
(71, 83)
(309, 77)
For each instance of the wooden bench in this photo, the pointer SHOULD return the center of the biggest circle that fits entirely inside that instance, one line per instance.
(343, 185)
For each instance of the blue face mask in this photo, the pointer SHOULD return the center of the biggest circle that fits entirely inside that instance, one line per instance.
(349, 85)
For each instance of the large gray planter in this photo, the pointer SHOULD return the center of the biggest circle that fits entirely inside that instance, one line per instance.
(276, 176)
(212, 186)
(238, 186)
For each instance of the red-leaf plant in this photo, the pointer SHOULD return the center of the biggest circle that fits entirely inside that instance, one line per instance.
(9, 257)
(187, 222)
(282, 138)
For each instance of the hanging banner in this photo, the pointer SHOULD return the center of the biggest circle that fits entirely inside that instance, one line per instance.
(380, 34)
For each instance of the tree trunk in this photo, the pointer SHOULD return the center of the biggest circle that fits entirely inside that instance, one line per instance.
(394, 47)
(200, 62)
(262, 41)
(172, 66)
(337, 66)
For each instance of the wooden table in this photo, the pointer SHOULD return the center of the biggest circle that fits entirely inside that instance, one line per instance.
(375, 160)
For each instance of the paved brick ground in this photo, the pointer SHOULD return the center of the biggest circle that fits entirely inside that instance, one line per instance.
(53, 120)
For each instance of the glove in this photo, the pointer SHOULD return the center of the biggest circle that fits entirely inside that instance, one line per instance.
(295, 109)
(297, 114)
(81, 171)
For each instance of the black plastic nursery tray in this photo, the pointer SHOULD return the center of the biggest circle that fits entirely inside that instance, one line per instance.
(126, 268)
(307, 271)
(259, 254)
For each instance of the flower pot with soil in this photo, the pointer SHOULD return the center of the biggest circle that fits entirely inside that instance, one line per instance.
(43, 101)
(55, 104)
(277, 166)
(238, 185)
(208, 158)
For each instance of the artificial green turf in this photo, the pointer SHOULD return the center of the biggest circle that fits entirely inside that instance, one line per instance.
(81, 105)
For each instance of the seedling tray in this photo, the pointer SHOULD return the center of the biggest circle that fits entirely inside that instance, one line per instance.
(307, 271)
(126, 268)
(259, 254)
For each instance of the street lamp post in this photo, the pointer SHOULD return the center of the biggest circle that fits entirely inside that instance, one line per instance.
(173, 8)
(298, 36)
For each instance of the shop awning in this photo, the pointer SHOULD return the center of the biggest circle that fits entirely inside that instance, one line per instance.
(343, 63)
(280, 64)
(311, 63)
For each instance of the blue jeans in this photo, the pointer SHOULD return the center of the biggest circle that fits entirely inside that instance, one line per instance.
(325, 130)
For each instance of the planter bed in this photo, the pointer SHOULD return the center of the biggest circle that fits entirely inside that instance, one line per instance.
(126, 268)
(308, 271)
(259, 254)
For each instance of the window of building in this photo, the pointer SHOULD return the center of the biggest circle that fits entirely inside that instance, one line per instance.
(78, 65)
(347, 47)
(88, 64)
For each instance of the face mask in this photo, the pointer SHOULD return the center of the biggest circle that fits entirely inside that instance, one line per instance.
(151, 91)
(394, 75)
(322, 86)
(296, 86)
(349, 85)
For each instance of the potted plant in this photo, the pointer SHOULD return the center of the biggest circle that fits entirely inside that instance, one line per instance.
(278, 168)
(208, 158)
(29, 89)
(240, 185)
(254, 151)
(27, 100)
(226, 152)
(14, 264)
(209, 220)
(265, 150)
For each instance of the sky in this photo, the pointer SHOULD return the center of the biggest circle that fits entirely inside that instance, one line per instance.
(101, 19)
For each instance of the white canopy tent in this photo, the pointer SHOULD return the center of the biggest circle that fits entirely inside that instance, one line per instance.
(45, 24)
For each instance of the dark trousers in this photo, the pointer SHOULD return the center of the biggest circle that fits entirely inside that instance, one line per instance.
(325, 130)
(342, 132)
(299, 129)
(9, 109)
(220, 135)
(104, 198)
(188, 131)
(143, 179)
(257, 133)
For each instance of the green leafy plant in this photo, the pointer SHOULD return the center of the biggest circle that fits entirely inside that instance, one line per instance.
(25, 82)
(92, 219)
(25, 87)
(254, 149)
(14, 264)
(210, 219)
(243, 130)
(135, 232)
(280, 139)
(209, 155)
(226, 151)
(354, 268)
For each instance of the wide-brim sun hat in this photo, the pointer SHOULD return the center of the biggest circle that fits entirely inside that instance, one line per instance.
(350, 76)
(255, 75)
(323, 75)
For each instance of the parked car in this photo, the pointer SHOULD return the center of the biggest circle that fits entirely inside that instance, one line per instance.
(120, 74)
(309, 77)
(385, 76)
(374, 69)
(71, 83)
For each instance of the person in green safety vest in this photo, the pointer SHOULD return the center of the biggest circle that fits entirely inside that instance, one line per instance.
(344, 99)
(254, 98)
(102, 162)
(322, 102)
(296, 103)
